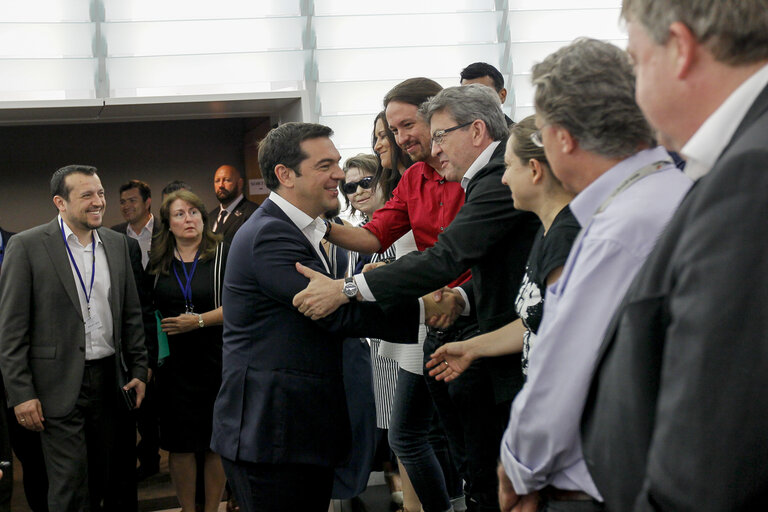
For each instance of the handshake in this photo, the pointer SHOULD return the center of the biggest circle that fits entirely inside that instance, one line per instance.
(442, 307)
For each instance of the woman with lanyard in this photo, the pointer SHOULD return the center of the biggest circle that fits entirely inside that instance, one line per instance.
(188, 262)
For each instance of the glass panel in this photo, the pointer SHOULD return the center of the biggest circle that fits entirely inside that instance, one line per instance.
(152, 10)
(401, 63)
(376, 31)
(342, 7)
(200, 37)
(46, 40)
(540, 5)
(47, 79)
(45, 11)
(525, 55)
(351, 131)
(564, 25)
(206, 74)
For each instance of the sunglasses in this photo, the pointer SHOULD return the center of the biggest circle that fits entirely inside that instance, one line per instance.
(351, 186)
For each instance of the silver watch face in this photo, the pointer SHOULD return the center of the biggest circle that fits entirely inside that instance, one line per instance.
(350, 289)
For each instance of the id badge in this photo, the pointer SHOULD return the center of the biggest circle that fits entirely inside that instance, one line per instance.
(92, 324)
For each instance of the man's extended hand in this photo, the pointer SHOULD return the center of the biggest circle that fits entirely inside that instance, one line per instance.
(140, 388)
(450, 360)
(321, 297)
(29, 414)
(442, 307)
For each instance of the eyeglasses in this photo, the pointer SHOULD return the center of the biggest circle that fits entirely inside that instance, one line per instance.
(351, 186)
(536, 137)
(439, 136)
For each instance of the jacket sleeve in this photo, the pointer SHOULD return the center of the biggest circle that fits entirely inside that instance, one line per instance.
(133, 346)
(15, 315)
(277, 249)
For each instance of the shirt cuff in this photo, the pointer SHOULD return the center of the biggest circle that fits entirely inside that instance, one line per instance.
(362, 287)
(422, 314)
(522, 478)
(467, 307)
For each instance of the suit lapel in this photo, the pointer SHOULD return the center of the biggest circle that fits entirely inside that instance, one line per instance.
(57, 252)
(275, 211)
(112, 251)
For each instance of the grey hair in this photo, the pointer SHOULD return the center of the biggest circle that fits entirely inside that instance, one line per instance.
(588, 88)
(734, 31)
(467, 103)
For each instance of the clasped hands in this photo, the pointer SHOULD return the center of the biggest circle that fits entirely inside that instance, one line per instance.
(324, 295)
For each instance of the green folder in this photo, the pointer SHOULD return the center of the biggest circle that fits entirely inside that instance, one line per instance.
(163, 350)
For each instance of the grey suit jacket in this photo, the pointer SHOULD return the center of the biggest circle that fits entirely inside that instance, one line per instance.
(677, 415)
(42, 332)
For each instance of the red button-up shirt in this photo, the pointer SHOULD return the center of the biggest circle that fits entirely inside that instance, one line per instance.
(424, 202)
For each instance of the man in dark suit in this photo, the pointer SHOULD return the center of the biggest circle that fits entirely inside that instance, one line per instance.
(280, 419)
(676, 416)
(140, 227)
(234, 209)
(70, 332)
(485, 74)
(490, 237)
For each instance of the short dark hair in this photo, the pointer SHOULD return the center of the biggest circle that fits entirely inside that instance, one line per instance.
(174, 186)
(143, 187)
(282, 145)
(481, 69)
(413, 91)
(58, 180)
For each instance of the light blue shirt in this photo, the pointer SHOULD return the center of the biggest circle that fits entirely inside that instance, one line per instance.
(542, 443)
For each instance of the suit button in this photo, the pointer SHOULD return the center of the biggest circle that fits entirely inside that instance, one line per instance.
(82, 349)
(441, 203)
(442, 228)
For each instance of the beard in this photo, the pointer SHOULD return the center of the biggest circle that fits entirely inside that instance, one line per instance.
(226, 196)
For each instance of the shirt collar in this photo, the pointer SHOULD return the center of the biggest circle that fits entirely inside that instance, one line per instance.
(703, 149)
(234, 204)
(586, 203)
(313, 229)
(480, 162)
(69, 233)
(149, 226)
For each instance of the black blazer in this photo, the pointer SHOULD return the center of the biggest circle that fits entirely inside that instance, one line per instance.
(488, 236)
(677, 414)
(234, 220)
(282, 396)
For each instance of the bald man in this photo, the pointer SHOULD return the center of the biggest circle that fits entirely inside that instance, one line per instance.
(234, 209)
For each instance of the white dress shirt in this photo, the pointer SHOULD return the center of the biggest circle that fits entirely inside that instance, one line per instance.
(98, 342)
(144, 237)
(702, 150)
(229, 210)
(313, 229)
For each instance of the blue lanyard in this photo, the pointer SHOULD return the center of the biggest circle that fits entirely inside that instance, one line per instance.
(74, 263)
(187, 290)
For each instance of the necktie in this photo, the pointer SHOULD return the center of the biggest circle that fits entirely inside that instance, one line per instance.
(220, 222)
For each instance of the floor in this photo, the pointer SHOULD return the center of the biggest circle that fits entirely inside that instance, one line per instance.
(156, 493)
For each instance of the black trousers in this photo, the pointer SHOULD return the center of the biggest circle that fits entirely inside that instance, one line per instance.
(474, 423)
(279, 487)
(79, 447)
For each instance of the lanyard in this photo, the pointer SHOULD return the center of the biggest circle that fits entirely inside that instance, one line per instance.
(632, 179)
(186, 290)
(77, 270)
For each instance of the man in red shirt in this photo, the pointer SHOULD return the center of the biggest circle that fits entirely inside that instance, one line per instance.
(426, 203)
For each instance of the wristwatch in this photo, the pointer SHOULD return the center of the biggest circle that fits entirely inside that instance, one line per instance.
(350, 288)
(200, 322)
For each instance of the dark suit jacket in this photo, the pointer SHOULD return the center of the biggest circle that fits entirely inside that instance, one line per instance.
(488, 236)
(234, 220)
(282, 396)
(144, 285)
(42, 333)
(6, 235)
(677, 414)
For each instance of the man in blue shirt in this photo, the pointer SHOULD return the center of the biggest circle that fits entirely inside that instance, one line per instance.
(602, 149)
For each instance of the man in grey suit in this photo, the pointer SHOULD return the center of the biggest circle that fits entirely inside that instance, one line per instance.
(70, 331)
(676, 417)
